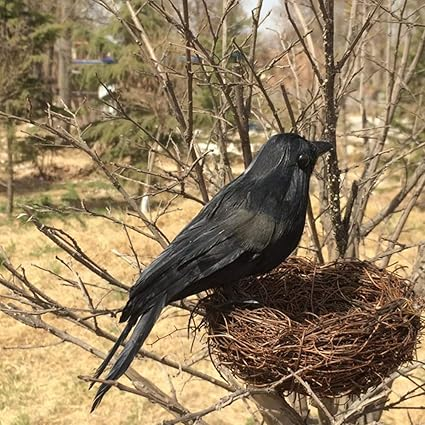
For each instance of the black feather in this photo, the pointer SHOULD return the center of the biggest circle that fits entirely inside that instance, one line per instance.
(113, 350)
(140, 333)
(248, 228)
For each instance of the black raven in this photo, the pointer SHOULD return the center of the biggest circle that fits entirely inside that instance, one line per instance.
(248, 228)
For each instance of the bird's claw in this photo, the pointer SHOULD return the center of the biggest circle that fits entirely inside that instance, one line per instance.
(233, 303)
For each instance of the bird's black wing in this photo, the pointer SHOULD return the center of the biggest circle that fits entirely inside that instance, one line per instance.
(205, 247)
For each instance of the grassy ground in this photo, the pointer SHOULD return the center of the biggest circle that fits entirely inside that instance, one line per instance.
(39, 380)
(39, 377)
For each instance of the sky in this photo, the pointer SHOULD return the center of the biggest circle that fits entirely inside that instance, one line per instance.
(268, 5)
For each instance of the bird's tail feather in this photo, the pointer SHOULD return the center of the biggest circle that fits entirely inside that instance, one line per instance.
(113, 350)
(140, 333)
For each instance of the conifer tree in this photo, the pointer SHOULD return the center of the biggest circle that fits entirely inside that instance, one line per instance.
(24, 34)
(134, 95)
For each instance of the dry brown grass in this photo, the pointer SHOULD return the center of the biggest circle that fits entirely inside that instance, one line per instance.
(40, 386)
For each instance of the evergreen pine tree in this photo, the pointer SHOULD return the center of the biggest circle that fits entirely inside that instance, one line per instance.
(24, 34)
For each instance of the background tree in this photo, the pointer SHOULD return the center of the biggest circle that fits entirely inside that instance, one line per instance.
(24, 35)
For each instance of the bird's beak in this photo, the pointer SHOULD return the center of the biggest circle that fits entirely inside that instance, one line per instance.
(322, 147)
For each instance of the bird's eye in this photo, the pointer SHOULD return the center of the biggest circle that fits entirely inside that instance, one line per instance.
(303, 161)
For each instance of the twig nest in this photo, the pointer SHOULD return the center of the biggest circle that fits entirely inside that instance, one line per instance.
(341, 327)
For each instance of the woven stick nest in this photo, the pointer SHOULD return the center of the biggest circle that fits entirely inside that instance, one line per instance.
(341, 327)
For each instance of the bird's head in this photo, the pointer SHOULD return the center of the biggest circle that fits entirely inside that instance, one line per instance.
(280, 177)
(288, 153)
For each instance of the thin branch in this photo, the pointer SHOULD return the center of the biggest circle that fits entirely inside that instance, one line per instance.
(314, 234)
(306, 50)
(366, 25)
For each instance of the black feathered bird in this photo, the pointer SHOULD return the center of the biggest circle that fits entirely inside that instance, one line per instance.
(248, 228)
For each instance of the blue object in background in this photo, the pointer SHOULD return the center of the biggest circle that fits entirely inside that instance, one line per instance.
(107, 60)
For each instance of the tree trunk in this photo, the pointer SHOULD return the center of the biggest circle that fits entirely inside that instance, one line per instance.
(65, 53)
(10, 139)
